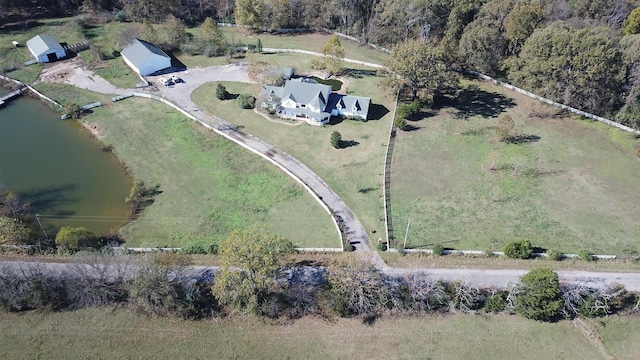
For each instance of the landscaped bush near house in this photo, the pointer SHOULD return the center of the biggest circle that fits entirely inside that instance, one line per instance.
(246, 101)
(221, 92)
(518, 249)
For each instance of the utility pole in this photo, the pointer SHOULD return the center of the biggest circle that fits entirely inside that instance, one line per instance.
(406, 234)
(41, 227)
(163, 104)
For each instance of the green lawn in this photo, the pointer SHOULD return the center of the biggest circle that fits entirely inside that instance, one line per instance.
(620, 335)
(575, 186)
(102, 333)
(354, 173)
(208, 185)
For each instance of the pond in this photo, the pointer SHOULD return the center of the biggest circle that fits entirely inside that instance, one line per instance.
(334, 83)
(60, 169)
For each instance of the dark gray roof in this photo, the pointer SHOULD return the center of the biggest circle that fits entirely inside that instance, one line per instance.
(350, 103)
(305, 92)
(40, 44)
(139, 51)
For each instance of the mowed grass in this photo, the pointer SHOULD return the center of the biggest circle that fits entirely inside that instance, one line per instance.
(354, 173)
(574, 186)
(620, 335)
(208, 185)
(102, 333)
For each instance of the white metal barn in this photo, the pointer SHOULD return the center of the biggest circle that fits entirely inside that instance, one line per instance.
(45, 48)
(145, 58)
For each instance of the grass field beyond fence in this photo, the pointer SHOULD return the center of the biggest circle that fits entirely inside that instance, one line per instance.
(209, 186)
(101, 333)
(569, 185)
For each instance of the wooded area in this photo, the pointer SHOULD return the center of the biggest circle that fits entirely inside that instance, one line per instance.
(582, 53)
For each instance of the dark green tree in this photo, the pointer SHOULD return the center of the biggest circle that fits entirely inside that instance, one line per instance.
(419, 68)
(581, 68)
(221, 92)
(336, 140)
(539, 297)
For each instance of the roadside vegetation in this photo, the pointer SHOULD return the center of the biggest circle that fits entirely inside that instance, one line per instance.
(205, 185)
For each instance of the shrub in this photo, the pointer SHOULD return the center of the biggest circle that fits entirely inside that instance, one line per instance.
(438, 250)
(221, 92)
(336, 140)
(70, 238)
(586, 255)
(400, 123)
(518, 249)
(246, 101)
(554, 255)
(495, 303)
(120, 16)
(539, 296)
(382, 246)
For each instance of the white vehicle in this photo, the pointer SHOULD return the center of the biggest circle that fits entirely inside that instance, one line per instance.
(175, 79)
(165, 82)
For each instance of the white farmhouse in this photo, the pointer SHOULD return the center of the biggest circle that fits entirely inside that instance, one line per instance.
(145, 58)
(307, 100)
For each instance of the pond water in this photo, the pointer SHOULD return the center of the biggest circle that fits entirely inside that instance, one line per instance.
(60, 169)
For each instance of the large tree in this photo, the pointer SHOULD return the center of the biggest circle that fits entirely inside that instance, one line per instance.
(581, 68)
(419, 68)
(333, 54)
(212, 37)
(250, 263)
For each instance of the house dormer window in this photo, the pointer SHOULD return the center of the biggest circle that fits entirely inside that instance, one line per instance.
(356, 106)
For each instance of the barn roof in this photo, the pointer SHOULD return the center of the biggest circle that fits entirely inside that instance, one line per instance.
(41, 44)
(139, 51)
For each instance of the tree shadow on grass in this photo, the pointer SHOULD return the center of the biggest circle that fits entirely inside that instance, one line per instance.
(348, 143)
(473, 101)
(522, 139)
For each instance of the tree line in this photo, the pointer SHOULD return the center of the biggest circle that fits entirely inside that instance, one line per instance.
(257, 278)
(581, 53)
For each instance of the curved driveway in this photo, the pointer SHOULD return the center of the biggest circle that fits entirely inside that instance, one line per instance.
(180, 94)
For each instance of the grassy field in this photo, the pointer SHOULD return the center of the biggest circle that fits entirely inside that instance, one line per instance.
(620, 335)
(353, 172)
(208, 185)
(100, 333)
(573, 186)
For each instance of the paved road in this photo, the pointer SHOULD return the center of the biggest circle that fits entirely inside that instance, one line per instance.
(306, 274)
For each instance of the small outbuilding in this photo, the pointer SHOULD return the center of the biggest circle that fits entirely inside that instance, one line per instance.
(45, 48)
(145, 58)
